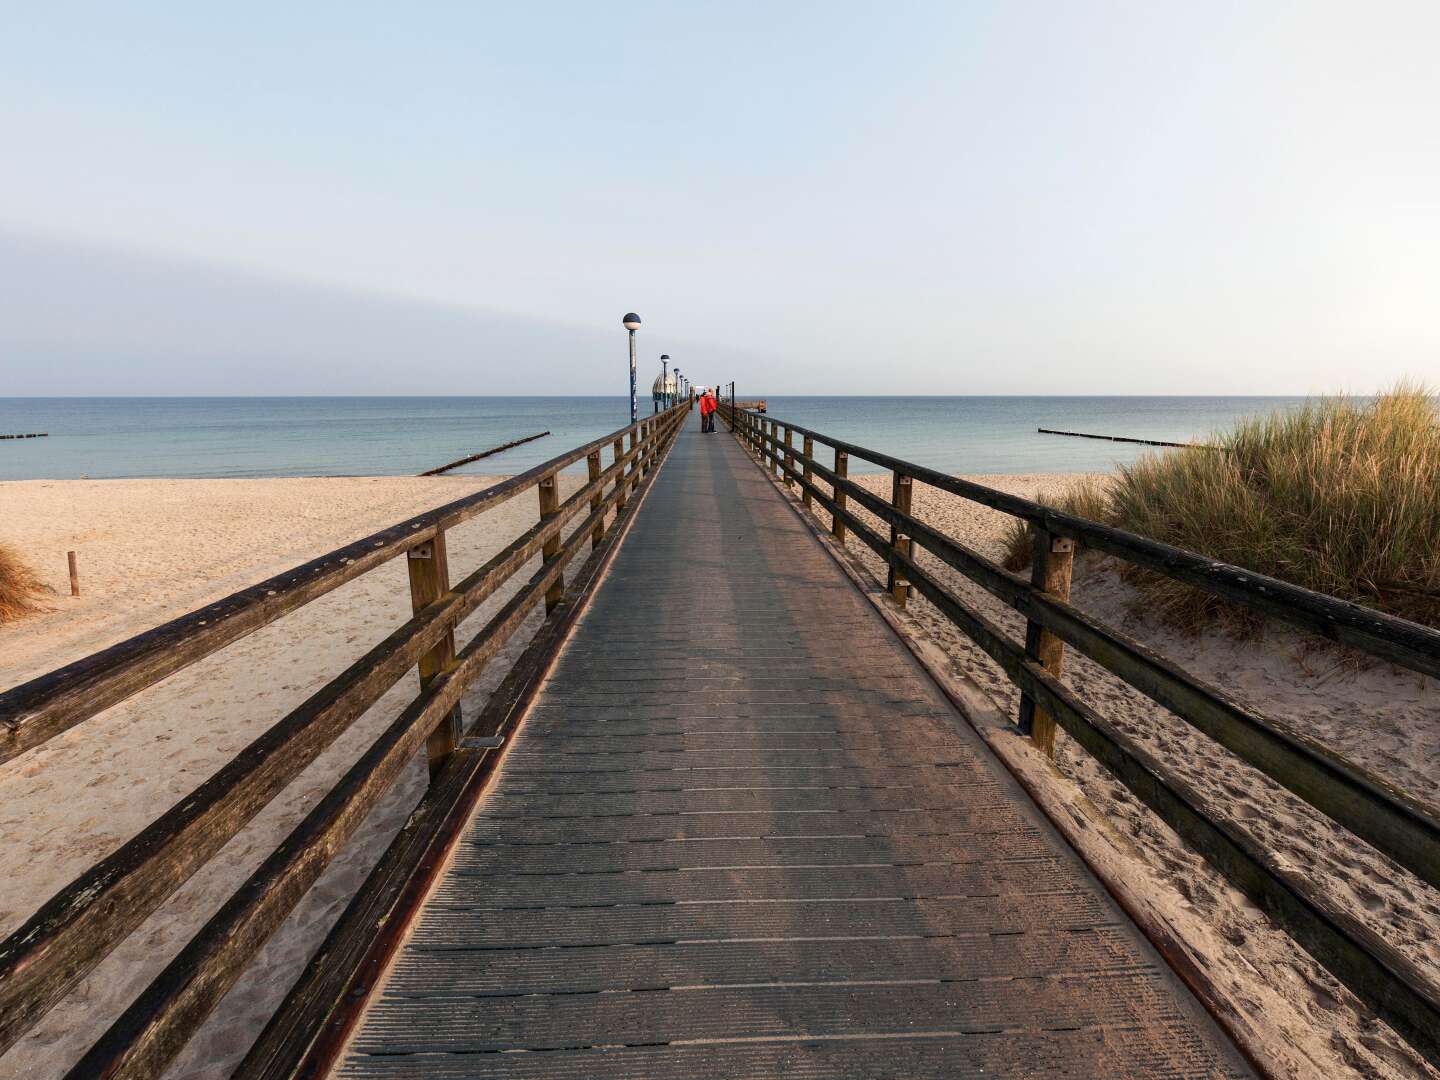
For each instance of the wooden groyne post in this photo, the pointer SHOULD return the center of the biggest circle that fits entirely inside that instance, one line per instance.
(1124, 438)
(484, 454)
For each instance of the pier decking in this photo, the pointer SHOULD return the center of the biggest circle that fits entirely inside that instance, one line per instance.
(741, 833)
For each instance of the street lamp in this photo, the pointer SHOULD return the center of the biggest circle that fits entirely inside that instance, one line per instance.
(631, 322)
(678, 380)
(665, 379)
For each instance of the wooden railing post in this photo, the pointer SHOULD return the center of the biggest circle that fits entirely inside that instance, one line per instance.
(900, 487)
(789, 456)
(429, 580)
(1054, 560)
(592, 467)
(619, 475)
(634, 472)
(808, 450)
(549, 503)
(842, 470)
(775, 448)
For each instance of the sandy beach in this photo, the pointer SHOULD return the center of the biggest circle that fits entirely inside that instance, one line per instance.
(151, 550)
(1382, 718)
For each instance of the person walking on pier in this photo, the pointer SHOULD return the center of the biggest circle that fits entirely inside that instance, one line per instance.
(707, 412)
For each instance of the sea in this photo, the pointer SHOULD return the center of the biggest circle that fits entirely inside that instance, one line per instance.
(354, 436)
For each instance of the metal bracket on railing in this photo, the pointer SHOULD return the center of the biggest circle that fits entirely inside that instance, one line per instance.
(482, 742)
(422, 551)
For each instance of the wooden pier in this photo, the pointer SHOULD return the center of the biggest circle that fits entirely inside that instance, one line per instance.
(741, 833)
(717, 819)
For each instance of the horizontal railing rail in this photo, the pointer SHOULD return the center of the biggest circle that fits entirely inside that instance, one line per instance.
(43, 707)
(1388, 637)
(43, 960)
(1404, 828)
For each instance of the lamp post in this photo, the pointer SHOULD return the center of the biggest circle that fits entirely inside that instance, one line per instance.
(665, 379)
(631, 322)
(678, 380)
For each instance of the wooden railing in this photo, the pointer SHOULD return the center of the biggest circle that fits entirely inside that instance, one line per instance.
(43, 960)
(1404, 828)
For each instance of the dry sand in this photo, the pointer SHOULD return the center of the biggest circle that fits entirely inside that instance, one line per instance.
(1382, 718)
(151, 550)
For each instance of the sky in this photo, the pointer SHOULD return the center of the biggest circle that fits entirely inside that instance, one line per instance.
(966, 198)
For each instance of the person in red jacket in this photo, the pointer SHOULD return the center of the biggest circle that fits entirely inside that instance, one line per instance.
(707, 412)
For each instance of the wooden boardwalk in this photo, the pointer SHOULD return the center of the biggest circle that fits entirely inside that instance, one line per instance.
(741, 834)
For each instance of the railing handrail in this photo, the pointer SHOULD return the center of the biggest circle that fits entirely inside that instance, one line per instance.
(1401, 826)
(41, 708)
(1389, 637)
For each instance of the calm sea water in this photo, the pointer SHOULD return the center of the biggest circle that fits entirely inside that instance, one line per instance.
(314, 436)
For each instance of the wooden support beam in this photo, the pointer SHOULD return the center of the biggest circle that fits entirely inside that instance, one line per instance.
(899, 586)
(620, 484)
(592, 467)
(429, 580)
(549, 503)
(842, 470)
(1050, 573)
(808, 452)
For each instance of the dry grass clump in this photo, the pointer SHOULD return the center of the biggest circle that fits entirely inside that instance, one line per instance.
(1087, 498)
(1341, 496)
(20, 589)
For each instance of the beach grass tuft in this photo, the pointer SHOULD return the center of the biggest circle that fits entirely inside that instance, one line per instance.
(20, 589)
(1341, 496)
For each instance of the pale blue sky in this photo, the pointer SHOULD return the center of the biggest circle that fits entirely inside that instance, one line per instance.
(1144, 197)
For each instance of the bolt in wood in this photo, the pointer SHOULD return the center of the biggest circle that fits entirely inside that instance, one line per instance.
(1054, 560)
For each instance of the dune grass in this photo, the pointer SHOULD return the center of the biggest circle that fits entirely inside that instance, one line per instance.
(20, 589)
(1341, 496)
